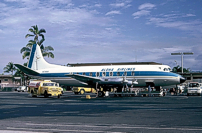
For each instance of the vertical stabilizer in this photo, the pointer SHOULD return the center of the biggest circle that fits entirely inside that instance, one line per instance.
(36, 60)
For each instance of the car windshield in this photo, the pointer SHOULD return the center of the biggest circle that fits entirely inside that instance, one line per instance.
(193, 85)
(48, 84)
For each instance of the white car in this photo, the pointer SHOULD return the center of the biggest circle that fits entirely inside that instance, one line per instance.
(21, 88)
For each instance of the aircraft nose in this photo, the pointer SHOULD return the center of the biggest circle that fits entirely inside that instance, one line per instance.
(182, 80)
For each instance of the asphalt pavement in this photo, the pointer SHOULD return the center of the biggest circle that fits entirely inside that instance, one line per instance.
(19, 112)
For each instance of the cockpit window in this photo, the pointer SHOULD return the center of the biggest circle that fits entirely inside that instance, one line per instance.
(165, 69)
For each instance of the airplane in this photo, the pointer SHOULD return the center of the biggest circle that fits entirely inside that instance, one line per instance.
(106, 77)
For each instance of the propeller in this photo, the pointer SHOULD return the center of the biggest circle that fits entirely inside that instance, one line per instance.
(125, 82)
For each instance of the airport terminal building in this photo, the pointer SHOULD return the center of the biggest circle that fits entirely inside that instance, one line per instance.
(8, 81)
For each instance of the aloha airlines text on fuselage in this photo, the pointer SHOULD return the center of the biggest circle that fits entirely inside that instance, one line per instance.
(118, 69)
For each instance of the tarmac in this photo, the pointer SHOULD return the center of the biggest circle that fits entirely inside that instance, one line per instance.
(20, 113)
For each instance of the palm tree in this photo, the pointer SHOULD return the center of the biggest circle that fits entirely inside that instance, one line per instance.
(45, 50)
(36, 33)
(9, 68)
(178, 69)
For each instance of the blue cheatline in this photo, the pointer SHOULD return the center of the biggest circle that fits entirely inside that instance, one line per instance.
(32, 55)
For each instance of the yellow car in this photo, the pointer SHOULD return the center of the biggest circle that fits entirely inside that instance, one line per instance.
(82, 90)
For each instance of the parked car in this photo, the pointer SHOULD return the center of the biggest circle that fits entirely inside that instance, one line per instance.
(22, 88)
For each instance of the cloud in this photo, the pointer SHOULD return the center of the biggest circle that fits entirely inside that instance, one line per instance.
(124, 4)
(190, 15)
(98, 5)
(144, 10)
(170, 22)
(113, 12)
(146, 6)
(140, 13)
(117, 5)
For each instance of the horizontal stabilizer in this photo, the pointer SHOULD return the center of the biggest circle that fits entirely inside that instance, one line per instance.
(26, 70)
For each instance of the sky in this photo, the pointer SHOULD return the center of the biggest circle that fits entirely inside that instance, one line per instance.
(103, 31)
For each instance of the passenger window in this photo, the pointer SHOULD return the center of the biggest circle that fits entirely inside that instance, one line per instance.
(125, 73)
(103, 74)
(97, 74)
(91, 74)
(84, 73)
(110, 73)
(118, 73)
(132, 73)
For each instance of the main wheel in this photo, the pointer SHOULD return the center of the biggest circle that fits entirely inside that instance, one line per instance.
(187, 94)
(100, 93)
(58, 96)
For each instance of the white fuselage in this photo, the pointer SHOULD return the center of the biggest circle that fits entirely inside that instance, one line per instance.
(158, 74)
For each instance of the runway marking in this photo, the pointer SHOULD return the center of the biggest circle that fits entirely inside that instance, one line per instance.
(123, 127)
(58, 130)
(11, 131)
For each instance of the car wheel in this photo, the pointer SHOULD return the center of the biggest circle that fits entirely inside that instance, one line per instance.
(45, 94)
(82, 92)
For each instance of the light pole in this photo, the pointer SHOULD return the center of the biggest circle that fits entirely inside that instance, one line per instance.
(182, 53)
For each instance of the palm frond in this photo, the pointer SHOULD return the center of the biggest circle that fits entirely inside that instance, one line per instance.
(32, 41)
(41, 41)
(31, 30)
(25, 49)
(41, 36)
(28, 35)
(49, 48)
(51, 54)
(36, 29)
(42, 48)
(42, 31)
(25, 54)
(29, 45)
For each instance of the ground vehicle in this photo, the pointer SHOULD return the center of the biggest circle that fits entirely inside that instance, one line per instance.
(22, 88)
(194, 88)
(82, 90)
(45, 88)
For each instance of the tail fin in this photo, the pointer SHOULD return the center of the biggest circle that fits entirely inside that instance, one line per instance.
(36, 60)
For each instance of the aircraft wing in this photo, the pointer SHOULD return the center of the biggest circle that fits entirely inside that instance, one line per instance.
(83, 78)
(26, 70)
